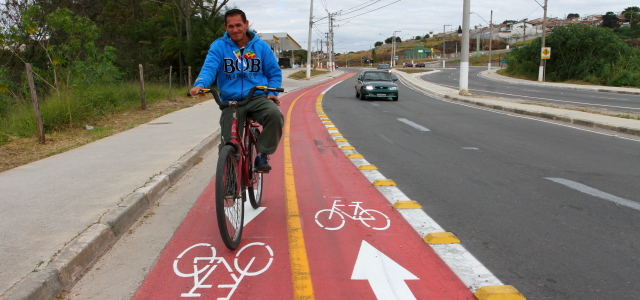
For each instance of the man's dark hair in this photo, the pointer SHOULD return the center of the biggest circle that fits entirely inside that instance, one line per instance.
(235, 12)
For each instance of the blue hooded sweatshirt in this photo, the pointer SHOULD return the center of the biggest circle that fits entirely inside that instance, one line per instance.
(238, 70)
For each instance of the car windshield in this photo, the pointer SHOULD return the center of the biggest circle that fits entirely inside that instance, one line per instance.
(377, 76)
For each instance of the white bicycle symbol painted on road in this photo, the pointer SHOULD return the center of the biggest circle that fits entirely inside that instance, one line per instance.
(369, 217)
(200, 274)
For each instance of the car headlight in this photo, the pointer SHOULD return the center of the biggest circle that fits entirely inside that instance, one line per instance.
(369, 87)
(393, 88)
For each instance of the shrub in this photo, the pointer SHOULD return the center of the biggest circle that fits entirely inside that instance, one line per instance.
(592, 54)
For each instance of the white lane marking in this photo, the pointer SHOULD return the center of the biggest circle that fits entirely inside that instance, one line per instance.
(609, 98)
(385, 276)
(470, 148)
(375, 104)
(414, 125)
(325, 91)
(596, 193)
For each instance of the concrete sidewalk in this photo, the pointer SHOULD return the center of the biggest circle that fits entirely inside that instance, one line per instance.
(60, 213)
(621, 125)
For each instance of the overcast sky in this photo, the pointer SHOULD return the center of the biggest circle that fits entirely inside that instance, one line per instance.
(375, 20)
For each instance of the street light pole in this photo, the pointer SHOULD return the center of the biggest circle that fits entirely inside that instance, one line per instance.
(393, 47)
(444, 31)
(309, 43)
(544, 35)
(464, 60)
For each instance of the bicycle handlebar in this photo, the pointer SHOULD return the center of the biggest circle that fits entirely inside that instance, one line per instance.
(238, 103)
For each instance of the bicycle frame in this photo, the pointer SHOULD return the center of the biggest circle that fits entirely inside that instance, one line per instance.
(241, 148)
(355, 216)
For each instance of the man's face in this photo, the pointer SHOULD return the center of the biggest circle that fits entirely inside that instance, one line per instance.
(236, 29)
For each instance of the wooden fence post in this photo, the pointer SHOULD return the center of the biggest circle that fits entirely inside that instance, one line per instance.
(170, 71)
(34, 101)
(142, 92)
(189, 76)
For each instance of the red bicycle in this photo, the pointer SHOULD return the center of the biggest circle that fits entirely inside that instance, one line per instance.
(235, 175)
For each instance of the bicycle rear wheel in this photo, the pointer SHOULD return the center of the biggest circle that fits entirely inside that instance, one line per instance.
(229, 199)
(255, 178)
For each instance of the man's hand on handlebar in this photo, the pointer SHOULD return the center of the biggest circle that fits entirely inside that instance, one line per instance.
(195, 91)
(274, 99)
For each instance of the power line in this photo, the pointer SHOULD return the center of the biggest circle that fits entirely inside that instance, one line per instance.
(370, 11)
(353, 9)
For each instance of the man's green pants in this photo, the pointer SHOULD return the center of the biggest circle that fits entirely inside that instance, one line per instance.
(265, 112)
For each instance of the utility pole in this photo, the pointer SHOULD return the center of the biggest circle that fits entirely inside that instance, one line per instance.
(490, 38)
(329, 46)
(544, 35)
(328, 52)
(464, 60)
(309, 42)
(444, 31)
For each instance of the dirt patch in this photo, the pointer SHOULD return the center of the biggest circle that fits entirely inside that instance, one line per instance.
(21, 151)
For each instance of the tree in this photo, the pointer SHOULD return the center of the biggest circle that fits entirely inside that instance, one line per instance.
(418, 38)
(610, 20)
(426, 36)
(509, 22)
(390, 39)
(633, 14)
(373, 55)
(378, 43)
(459, 29)
(573, 16)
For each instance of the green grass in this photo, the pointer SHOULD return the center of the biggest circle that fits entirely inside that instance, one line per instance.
(75, 108)
(303, 74)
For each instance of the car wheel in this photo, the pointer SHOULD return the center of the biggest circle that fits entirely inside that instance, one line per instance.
(362, 95)
(395, 98)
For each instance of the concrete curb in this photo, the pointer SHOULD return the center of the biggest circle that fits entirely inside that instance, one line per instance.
(70, 262)
(505, 107)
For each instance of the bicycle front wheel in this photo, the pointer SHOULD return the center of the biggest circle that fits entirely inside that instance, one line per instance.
(229, 198)
(255, 178)
(374, 219)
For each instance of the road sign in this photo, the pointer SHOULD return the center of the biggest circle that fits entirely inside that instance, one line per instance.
(546, 53)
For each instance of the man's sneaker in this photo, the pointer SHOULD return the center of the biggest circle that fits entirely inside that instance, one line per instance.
(262, 163)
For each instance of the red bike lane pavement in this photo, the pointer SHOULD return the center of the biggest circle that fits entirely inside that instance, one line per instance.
(337, 258)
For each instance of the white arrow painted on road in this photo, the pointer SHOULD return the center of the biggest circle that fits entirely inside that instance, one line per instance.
(385, 276)
(250, 213)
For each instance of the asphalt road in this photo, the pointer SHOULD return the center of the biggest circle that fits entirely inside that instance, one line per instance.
(550, 209)
(555, 96)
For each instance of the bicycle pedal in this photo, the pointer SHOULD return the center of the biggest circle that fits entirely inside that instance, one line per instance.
(265, 172)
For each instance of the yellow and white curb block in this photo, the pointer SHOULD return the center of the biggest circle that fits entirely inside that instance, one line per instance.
(472, 273)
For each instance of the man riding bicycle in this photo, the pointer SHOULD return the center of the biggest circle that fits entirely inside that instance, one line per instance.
(238, 61)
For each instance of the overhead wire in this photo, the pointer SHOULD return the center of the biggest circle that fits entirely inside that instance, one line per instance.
(369, 11)
(355, 8)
